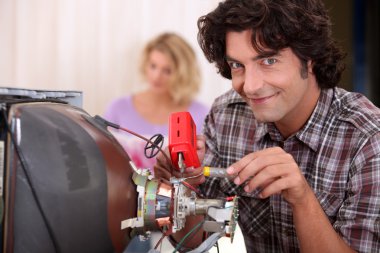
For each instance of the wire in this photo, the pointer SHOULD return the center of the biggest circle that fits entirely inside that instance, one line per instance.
(200, 174)
(186, 184)
(217, 246)
(195, 229)
(207, 218)
(165, 233)
(153, 144)
(194, 234)
(198, 226)
(148, 141)
(29, 180)
(160, 241)
(198, 192)
(230, 198)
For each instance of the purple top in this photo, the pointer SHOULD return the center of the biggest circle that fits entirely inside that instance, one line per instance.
(122, 112)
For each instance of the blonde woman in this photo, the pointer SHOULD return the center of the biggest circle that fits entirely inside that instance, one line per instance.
(170, 69)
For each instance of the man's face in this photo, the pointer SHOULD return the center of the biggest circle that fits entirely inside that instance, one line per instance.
(274, 85)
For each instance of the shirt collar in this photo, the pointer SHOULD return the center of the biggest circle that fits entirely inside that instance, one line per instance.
(311, 132)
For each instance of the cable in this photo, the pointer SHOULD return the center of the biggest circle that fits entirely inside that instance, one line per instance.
(160, 241)
(164, 234)
(187, 235)
(186, 184)
(193, 234)
(196, 228)
(200, 174)
(151, 141)
(28, 179)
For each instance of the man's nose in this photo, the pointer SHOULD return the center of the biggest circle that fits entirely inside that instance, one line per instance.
(253, 80)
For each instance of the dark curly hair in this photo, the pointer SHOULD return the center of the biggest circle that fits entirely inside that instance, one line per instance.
(302, 25)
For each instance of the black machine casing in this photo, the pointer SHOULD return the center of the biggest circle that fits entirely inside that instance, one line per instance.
(79, 173)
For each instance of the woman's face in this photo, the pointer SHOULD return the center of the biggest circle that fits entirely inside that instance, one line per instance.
(158, 71)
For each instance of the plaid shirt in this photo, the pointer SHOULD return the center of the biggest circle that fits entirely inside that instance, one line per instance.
(338, 152)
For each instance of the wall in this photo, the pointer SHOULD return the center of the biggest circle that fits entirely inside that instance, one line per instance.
(93, 45)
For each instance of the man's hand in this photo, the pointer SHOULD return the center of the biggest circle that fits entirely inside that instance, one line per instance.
(163, 168)
(273, 171)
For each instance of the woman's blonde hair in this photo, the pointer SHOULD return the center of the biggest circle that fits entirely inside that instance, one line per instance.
(186, 78)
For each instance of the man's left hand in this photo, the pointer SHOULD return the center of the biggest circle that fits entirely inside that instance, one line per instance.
(273, 171)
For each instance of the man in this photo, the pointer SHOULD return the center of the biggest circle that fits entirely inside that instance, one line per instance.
(307, 154)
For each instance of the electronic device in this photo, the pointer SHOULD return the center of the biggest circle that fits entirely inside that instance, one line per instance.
(68, 186)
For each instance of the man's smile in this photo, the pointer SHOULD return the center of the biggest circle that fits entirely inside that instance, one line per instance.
(262, 100)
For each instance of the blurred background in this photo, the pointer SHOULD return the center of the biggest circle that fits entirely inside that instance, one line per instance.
(94, 46)
(356, 26)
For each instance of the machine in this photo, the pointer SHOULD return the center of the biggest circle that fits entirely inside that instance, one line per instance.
(67, 185)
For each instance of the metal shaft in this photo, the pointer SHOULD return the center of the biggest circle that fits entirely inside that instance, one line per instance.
(217, 172)
(202, 205)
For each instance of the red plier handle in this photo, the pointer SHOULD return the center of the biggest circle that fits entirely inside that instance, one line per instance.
(183, 141)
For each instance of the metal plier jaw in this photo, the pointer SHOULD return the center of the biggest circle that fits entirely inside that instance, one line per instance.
(181, 164)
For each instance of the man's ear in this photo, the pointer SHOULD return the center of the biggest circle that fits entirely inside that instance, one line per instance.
(310, 65)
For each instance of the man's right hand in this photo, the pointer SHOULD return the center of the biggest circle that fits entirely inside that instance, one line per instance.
(162, 168)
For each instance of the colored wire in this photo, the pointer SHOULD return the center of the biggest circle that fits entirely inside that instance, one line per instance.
(198, 226)
(200, 174)
(192, 188)
(230, 198)
(160, 241)
(116, 126)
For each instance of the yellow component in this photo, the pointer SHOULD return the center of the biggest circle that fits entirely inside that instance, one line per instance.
(206, 171)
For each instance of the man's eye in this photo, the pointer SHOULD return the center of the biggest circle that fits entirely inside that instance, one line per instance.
(269, 61)
(235, 65)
